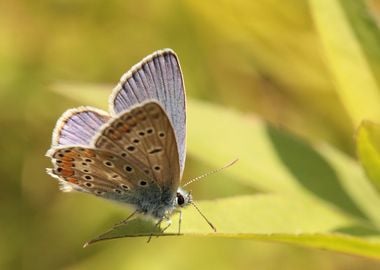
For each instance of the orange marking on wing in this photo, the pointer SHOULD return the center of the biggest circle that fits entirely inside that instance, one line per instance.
(66, 158)
(70, 154)
(122, 128)
(89, 153)
(114, 135)
(66, 164)
(67, 172)
(72, 180)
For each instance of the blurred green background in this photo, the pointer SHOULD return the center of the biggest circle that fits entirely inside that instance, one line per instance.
(310, 68)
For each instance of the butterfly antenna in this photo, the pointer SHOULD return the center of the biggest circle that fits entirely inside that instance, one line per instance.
(209, 173)
(204, 217)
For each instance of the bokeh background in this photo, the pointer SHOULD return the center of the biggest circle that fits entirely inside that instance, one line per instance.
(263, 58)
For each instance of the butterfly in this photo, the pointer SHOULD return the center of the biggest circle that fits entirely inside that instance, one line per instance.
(135, 154)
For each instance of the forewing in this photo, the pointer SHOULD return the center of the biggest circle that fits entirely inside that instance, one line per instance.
(78, 126)
(145, 136)
(157, 77)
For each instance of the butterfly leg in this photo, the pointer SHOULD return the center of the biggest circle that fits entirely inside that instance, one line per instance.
(158, 224)
(169, 223)
(124, 221)
(179, 222)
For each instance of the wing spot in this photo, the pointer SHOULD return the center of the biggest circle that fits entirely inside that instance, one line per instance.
(149, 130)
(142, 133)
(136, 141)
(128, 168)
(127, 117)
(98, 192)
(124, 154)
(108, 163)
(88, 177)
(157, 168)
(59, 161)
(161, 134)
(61, 155)
(67, 151)
(146, 171)
(117, 191)
(115, 176)
(131, 148)
(113, 134)
(124, 186)
(84, 164)
(86, 171)
(143, 183)
(88, 184)
(88, 160)
(155, 150)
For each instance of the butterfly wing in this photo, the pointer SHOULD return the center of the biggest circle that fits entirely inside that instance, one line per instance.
(157, 77)
(145, 135)
(134, 158)
(78, 126)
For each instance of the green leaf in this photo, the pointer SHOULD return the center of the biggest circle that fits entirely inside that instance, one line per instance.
(313, 196)
(346, 58)
(271, 160)
(368, 149)
(269, 218)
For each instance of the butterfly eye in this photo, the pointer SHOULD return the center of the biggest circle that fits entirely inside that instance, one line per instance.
(180, 199)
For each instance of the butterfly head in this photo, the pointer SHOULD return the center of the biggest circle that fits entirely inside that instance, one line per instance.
(183, 198)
